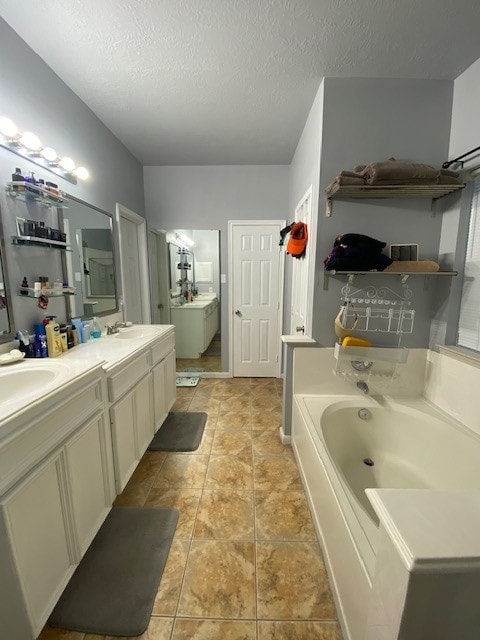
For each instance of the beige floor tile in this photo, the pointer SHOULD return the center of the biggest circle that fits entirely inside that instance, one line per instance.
(299, 631)
(181, 471)
(282, 515)
(158, 629)
(267, 442)
(214, 630)
(182, 404)
(276, 473)
(264, 390)
(148, 467)
(232, 443)
(199, 403)
(292, 582)
(219, 580)
(225, 514)
(269, 402)
(229, 472)
(185, 392)
(134, 495)
(50, 633)
(235, 404)
(267, 420)
(205, 444)
(262, 381)
(208, 382)
(169, 589)
(234, 420)
(185, 500)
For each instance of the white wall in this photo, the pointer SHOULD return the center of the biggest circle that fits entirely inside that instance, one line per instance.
(206, 197)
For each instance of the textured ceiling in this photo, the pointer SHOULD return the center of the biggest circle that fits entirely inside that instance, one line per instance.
(232, 81)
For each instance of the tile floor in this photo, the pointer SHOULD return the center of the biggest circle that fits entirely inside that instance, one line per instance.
(245, 563)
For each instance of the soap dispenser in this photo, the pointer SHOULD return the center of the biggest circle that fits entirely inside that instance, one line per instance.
(95, 330)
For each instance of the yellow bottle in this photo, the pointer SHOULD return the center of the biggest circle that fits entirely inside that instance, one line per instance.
(54, 343)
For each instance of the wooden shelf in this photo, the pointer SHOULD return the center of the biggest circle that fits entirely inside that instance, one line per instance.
(403, 275)
(433, 191)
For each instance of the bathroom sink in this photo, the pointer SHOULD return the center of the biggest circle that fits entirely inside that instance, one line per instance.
(17, 383)
(134, 333)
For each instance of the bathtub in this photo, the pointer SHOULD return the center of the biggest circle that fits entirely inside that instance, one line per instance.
(401, 444)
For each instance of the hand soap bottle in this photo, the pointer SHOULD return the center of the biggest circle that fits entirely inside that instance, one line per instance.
(54, 343)
(95, 330)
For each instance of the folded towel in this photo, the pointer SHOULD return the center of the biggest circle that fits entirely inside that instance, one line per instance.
(344, 181)
(400, 266)
(350, 174)
(446, 179)
(402, 181)
(449, 172)
(359, 168)
(400, 172)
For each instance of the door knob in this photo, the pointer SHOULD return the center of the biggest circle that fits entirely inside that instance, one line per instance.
(238, 312)
(302, 329)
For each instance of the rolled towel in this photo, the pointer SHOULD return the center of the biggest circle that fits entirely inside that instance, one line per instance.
(449, 172)
(400, 266)
(400, 181)
(447, 179)
(350, 174)
(399, 171)
(359, 168)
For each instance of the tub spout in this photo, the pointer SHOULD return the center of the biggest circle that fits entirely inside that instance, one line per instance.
(363, 386)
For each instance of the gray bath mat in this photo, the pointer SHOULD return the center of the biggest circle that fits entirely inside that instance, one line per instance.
(113, 588)
(181, 431)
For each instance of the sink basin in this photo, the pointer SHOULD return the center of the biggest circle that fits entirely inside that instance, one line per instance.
(134, 333)
(18, 383)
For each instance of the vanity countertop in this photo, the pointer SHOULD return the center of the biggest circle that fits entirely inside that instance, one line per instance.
(29, 382)
(195, 304)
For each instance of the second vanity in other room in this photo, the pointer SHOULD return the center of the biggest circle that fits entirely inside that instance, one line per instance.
(195, 323)
(72, 432)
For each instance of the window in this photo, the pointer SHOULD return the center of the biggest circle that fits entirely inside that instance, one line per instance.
(469, 325)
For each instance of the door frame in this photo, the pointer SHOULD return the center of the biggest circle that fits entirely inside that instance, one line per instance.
(281, 283)
(123, 212)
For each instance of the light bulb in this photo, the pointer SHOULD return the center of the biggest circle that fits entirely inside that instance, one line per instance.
(7, 127)
(49, 154)
(67, 164)
(30, 141)
(82, 173)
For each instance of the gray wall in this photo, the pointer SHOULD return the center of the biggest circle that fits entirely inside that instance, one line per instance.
(465, 135)
(207, 197)
(366, 120)
(35, 98)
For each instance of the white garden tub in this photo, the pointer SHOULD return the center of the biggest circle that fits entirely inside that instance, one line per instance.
(411, 445)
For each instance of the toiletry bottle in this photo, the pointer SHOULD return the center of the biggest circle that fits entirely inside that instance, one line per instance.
(58, 287)
(40, 341)
(63, 337)
(24, 287)
(54, 343)
(86, 331)
(17, 177)
(95, 330)
(24, 345)
(70, 341)
(77, 323)
(75, 337)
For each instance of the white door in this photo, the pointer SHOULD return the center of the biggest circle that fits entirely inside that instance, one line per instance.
(257, 296)
(302, 278)
(134, 266)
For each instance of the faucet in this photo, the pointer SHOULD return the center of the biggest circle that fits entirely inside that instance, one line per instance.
(113, 328)
(363, 386)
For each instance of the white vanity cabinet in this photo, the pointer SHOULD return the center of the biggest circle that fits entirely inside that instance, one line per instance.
(56, 488)
(195, 325)
(142, 391)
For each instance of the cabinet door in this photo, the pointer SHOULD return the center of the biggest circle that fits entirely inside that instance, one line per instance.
(122, 416)
(170, 380)
(88, 478)
(38, 533)
(159, 394)
(143, 415)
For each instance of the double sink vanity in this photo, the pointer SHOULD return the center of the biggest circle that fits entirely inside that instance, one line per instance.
(72, 431)
(196, 323)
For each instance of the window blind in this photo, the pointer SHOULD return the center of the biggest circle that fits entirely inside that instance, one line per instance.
(469, 325)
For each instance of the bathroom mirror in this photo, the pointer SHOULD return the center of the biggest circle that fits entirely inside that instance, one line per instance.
(90, 266)
(6, 324)
(185, 277)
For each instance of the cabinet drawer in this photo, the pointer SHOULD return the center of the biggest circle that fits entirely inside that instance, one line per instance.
(160, 349)
(119, 383)
(27, 448)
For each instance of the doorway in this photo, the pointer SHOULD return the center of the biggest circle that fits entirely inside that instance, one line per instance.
(256, 296)
(132, 241)
(159, 281)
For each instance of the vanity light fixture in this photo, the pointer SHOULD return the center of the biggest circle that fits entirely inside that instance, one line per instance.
(27, 144)
(184, 240)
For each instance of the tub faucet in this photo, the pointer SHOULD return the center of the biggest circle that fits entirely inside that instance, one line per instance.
(363, 386)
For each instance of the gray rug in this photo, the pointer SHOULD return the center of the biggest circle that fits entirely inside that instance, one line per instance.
(113, 588)
(181, 431)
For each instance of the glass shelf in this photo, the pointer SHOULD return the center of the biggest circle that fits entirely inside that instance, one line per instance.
(26, 192)
(44, 292)
(44, 243)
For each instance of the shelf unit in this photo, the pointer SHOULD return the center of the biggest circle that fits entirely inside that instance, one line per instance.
(43, 243)
(403, 275)
(433, 191)
(28, 193)
(44, 292)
